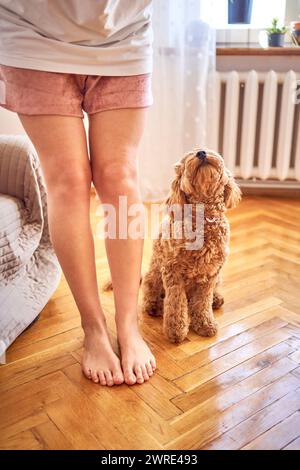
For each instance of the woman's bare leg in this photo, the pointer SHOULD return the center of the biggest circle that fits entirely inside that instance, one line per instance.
(114, 138)
(61, 145)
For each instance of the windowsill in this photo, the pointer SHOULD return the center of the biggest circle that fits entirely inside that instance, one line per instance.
(255, 50)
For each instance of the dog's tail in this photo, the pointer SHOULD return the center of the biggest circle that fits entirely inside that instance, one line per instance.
(108, 286)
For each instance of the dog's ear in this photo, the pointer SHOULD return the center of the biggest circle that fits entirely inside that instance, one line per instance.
(178, 167)
(177, 196)
(232, 193)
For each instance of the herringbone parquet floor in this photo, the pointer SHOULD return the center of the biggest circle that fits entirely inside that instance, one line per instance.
(239, 390)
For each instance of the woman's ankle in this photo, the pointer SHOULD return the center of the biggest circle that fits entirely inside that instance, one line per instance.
(127, 325)
(94, 324)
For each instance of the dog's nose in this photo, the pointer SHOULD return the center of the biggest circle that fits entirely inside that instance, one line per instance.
(201, 155)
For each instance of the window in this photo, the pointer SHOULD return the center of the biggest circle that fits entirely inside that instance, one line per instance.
(263, 12)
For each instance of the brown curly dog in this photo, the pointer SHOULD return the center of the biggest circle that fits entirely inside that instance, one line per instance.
(181, 284)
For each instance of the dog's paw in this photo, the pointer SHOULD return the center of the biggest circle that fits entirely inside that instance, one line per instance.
(175, 334)
(205, 328)
(176, 337)
(218, 300)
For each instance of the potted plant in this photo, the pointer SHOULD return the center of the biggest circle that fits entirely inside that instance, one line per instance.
(239, 11)
(276, 34)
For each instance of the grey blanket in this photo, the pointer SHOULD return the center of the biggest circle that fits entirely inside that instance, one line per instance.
(29, 270)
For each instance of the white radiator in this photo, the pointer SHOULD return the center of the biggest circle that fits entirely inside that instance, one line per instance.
(256, 125)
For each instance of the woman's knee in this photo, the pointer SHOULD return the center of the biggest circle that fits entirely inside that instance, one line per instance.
(69, 183)
(116, 178)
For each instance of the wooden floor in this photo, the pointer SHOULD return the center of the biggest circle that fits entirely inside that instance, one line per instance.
(240, 390)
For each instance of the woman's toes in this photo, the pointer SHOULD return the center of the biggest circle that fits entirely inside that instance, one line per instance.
(102, 377)
(94, 376)
(129, 377)
(153, 363)
(87, 373)
(109, 378)
(149, 369)
(139, 374)
(118, 378)
(145, 373)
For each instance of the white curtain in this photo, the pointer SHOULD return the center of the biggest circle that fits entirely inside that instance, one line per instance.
(184, 62)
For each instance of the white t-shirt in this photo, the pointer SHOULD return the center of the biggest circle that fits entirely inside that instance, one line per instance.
(90, 37)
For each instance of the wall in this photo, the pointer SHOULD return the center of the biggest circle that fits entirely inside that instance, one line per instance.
(292, 10)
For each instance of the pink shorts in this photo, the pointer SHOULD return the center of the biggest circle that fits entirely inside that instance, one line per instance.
(34, 92)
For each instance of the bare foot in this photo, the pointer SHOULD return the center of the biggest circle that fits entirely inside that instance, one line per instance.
(138, 363)
(99, 363)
